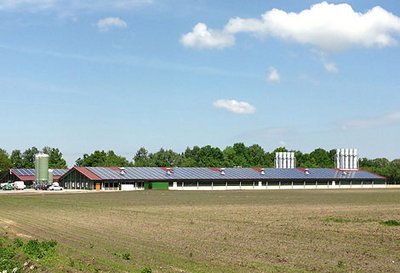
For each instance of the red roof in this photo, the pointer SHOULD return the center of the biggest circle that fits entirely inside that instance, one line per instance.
(86, 172)
(25, 177)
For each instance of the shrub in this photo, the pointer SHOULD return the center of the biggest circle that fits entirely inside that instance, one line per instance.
(38, 250)
(146, 269)
(18, 242)
(126, 256)
(391, 223)
(8, 254)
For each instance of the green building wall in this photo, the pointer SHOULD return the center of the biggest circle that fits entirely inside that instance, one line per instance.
(160, 185)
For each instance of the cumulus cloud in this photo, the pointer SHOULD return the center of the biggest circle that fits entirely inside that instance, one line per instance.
(273, 75)
(237, 107)
(330, 27)
(111, 22)
(387, 119)
(202, 37)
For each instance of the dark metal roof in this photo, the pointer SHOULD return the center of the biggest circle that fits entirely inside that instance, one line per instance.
(32, 172)
(184, 173)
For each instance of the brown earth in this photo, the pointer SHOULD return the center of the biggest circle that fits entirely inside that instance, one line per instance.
(224, 231)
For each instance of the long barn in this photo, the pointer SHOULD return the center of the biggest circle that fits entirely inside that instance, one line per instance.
(28, 175)
(179, 178)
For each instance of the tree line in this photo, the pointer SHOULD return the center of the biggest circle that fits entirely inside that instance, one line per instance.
(26, 159)
(237, 155)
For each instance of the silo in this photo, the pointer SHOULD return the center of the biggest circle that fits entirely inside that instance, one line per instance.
(342, 159)
(351, 159)
(280, 160)
(293, 160)
(50, 176)
(284, 160)
(42, 167)
(355, 163)
(338, 166)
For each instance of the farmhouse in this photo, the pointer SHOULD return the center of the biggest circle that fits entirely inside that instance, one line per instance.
(139, 178)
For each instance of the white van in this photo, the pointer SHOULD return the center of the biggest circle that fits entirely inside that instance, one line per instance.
(19, 185)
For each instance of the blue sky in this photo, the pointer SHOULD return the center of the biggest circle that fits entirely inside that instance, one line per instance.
(122, 74)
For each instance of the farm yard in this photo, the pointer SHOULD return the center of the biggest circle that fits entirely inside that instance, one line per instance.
(224, 231)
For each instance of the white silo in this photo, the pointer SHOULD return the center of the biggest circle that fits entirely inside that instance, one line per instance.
(338, 158)
(341, 158)
(351, 159)
(291, 159)
(280, 158)
(284, 160)
(355, 160)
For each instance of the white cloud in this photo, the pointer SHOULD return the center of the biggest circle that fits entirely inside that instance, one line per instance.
(387, 119)
(273, 75)
(331, 67)
(202, 37)
(238, 107)
(111, 22)
(330, 27)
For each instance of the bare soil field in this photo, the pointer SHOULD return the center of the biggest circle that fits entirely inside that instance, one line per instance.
(224, 231)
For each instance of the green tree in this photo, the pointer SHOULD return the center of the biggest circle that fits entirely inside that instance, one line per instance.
(5, 162)
(28, 158)
(16, 159)
(236, 156)
(165, 158)
(257, 156)
(394, 171)
(307, 161)
(142, 159)
(56, 161)
(191, 157)
(210, 157)
(102, 159)
(381, 166)
(321, 159)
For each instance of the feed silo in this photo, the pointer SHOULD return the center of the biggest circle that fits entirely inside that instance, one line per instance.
(42, 168)
(50, 176)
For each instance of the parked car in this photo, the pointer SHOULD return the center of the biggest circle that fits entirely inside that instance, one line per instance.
(19, 185)
(55, 187)
(8, 186)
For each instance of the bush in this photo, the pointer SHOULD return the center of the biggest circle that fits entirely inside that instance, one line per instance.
(38, 250)
(146, 269)
(8, 253)
(18, 242)
(126, 256)
(391, 223)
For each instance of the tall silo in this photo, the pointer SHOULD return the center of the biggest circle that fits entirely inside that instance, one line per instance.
(42, 168)
(50, 173)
